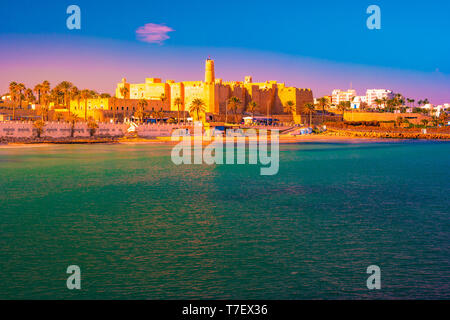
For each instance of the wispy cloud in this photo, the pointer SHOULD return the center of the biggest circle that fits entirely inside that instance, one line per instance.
(153, 33)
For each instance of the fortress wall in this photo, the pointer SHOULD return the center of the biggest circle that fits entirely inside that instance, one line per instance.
(111, 129)
(222, 95)
(239, 92)
(285, 95)
(17, 129)
(193, 90)
(266, 100)
(81, 130)
(304, 96)
(56, 130)
(176, 91)
(59, 129)
(155, 130)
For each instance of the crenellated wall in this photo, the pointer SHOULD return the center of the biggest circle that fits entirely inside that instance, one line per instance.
(155, 130)
(17, 129)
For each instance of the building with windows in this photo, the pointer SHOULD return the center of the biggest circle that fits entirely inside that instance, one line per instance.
(339, 96)
(378, 94)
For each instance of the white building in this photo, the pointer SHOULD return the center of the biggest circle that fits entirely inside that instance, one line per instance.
(374, 94)
(338, 96)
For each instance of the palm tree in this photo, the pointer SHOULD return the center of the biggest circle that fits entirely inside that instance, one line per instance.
(72, 120)
(310, 107)
(73, 94)
(45, 98)
(178, 102)
(385, 102)
(323, 102)
(13, 95)
(141, 107)
(92, 125)
(21, 88)
(163, 99)
(343, 105)
(65, 88)
(197, 105)
(443, 117)
(233, 105)
(29, 96)
(94, 94)
(57, 95)
(37, 90)
(85, 95)
(45, 88)
(289, 107)
(252, 106)
(378, 102)
(39, 125)
(424, 122)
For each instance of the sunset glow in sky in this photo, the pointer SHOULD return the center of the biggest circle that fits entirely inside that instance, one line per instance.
(321, 46)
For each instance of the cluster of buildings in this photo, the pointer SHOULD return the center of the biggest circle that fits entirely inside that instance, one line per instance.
(170, 97)
(373, 95)
(370, 98)
(270, 97)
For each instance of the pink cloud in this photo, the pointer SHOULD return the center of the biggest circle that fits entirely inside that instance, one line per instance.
(153, 33)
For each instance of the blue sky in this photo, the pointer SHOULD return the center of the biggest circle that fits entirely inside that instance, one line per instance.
(414, 37)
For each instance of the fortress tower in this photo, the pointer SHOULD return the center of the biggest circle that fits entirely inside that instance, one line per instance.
(209, 87)
(209, 71)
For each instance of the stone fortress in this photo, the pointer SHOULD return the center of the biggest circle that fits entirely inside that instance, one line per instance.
(270, 96)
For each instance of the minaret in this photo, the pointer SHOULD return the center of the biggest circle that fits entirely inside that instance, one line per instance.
(209, 71)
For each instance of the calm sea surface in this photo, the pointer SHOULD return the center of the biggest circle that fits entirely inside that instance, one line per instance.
(140, 227)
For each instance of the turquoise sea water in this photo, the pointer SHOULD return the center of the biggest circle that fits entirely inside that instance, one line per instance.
(140, 227)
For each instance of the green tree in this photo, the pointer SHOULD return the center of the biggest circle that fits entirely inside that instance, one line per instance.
(178, 102)
(37, 90)
(141, 107)
(65, 88)
(85, 95)
(197, 106)
(289, 107)
(71, 119)
(343, 106)
(92, 125)
(39, 125)
(251, 107)
(310, 108)
(233, 106)
(323, 103)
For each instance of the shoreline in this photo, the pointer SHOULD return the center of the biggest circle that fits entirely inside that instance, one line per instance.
(327, 137)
